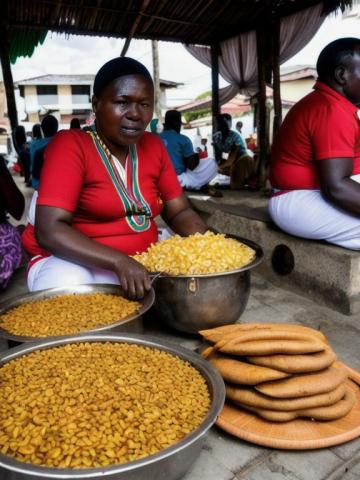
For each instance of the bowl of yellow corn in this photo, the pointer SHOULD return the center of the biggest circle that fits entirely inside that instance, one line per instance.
(205, 279)
(58, 312)
(109, 406)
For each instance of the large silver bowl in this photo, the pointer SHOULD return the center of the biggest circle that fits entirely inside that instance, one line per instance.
(130, 323)
(190, 303)
(169, 464)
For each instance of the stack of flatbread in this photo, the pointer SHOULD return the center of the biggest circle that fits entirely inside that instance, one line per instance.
(280, 371)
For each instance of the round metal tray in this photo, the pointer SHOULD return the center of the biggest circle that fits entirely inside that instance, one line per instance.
(168, 464)
(131, 323)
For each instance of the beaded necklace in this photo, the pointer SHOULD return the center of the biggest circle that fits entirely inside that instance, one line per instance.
(137, 211)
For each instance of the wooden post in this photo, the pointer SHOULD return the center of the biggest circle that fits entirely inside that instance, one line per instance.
(156, 75)
(215, 104)
(8, 79)
(262, 133)
(276, 76)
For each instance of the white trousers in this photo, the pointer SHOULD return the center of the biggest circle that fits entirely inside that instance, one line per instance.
(200, 176)
(305, 213)
(51, 272)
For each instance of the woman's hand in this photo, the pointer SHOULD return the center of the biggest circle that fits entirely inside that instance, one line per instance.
(134, 278)
(54, 232)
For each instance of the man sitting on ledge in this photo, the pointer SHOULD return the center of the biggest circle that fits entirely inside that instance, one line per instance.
(315, 169)
(192, 172)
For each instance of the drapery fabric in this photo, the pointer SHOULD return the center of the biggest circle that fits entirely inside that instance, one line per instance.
(238, 60)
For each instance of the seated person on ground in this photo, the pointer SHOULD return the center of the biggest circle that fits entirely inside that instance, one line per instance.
(11, 202)
(315, 168)
(238, 165)
(192, 172)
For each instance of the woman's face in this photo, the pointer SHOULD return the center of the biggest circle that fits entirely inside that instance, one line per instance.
(124, 109)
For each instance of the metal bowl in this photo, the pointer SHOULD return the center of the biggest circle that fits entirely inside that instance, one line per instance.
(168, 464)
(194, 302)
(130, 323)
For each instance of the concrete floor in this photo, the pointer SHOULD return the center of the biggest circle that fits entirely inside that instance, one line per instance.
(224, 457)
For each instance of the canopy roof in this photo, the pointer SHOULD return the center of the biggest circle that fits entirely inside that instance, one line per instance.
(198, 22)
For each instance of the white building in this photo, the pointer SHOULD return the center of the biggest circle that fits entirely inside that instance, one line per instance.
(65, 96)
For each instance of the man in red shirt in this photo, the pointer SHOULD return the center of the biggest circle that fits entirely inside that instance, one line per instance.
(315, 169)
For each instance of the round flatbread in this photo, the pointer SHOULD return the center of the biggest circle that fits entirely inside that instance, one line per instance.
(304, 385)
(249, 396)
(309, 362)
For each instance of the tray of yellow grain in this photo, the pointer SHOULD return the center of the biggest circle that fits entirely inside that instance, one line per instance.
(64, 311)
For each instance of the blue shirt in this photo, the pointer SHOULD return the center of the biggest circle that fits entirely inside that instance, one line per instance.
(179, 147)
(34, 146)
(233, 139)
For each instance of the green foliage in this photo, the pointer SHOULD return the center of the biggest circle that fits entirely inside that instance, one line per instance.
(203, 112)
(199, 113)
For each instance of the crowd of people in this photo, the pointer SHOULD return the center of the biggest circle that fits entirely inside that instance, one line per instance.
(97, 190)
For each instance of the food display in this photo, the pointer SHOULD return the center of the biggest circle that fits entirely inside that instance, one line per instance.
(197, 254)
(280, 372)
(67, 314)
(84, 405)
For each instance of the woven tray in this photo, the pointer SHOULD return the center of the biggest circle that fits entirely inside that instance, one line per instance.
(300, 434)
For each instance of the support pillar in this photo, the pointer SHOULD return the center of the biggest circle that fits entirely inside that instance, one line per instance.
(215, 104)
(8, 79)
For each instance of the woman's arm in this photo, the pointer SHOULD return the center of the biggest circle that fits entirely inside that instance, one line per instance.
(12, 199)
(54, 232)
(181, 218)
(336, 184)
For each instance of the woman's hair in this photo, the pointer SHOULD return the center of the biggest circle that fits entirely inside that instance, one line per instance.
(115, 68)
(336, 53)
(36, 131)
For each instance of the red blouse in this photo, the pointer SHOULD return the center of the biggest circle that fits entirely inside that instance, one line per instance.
(322, 125)
(75, 179)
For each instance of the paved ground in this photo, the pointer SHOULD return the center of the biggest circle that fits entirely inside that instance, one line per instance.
(224, 457)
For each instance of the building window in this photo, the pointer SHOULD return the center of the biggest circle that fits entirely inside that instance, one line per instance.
(47, 94)
(80, 94)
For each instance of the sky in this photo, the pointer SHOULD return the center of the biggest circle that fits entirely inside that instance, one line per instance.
(84, 54)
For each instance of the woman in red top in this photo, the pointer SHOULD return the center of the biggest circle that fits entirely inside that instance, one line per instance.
(315, 170)
(101, 189)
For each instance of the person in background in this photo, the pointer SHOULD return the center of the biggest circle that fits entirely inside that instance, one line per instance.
(22, 150)
(315, 168)
(100, 191)
(192, 172)
(49, 126)
(202, 150)
(11, 202)
(238, 164)
(36, 132)
(156, 126)
(75, 123)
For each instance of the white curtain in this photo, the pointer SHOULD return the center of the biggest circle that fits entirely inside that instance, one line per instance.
(238, 60)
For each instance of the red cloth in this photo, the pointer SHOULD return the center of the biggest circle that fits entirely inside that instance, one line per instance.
(74, 178)
(322, 125)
